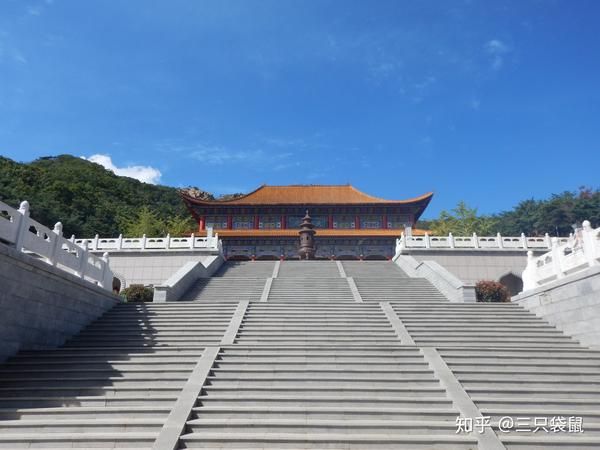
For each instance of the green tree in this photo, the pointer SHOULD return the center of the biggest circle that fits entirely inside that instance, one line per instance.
(84, 196)
(145, 221)
(180, 225)
(462, 221)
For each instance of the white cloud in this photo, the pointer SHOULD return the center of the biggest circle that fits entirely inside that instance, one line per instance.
(218, 155)
(34, 10)
(145, 174)
(497, 50)
(215, 155)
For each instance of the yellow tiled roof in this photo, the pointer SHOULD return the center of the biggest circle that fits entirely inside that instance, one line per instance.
(306, 195)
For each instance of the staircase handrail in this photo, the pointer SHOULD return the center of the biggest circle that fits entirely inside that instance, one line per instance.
(580, 251)
(19, 230)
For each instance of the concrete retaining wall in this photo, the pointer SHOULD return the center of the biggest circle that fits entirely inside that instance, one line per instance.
(471, 266)
(42, 306)
(151, 267)
(446, 282)
(179, 283)
(572, 304)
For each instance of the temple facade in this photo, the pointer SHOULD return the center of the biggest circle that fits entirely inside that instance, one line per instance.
(349, 224)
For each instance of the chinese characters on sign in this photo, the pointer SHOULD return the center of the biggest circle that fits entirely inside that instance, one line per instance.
(506, 424)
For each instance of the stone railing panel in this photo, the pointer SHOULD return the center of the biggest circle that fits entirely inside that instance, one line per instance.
(566, 257)
(28, 236)
(464, 242)
(144, 243)
(474, 242)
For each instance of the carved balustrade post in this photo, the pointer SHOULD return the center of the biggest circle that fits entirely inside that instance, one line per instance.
(22, 225)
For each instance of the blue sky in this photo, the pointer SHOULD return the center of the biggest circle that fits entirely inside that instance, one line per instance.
(490, 102)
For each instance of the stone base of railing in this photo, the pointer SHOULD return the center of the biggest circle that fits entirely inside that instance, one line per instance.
(572, 304)
(42, 306)
(449, 285)
(181, 281)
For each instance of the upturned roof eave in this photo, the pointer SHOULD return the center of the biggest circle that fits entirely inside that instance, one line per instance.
(425, 198)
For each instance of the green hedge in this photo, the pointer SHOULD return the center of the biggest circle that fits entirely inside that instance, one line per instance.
(491, 292)
(138, 293)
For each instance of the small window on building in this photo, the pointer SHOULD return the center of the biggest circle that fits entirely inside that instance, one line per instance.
(370, 222)
(398, 222)
(243, 222)
(269, 222)
(344, 222)
(216, 222)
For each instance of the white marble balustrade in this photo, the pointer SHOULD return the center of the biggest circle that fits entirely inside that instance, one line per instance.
(25, 234)
(580, 251)
(144, 243)
(473, 242)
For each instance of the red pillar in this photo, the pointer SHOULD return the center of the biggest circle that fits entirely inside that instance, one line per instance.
(256, 222)
(229, 222)
(357, 222)
(282, 222)
(330, 221)
(201, 223)
(384, 224)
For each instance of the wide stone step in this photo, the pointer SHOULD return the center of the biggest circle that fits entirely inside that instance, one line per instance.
(385, 427)
(157, 327)
(78, 426)
(517, 367)
(580, 353)
(392, 366)
(102, 391)
(324, 412)
(323, 401)
(589, 415)
(85, 412)
(313, 341)
(541, 402)
(310, 372)
(338, 392)
(245, 268)
(330, 441)
(550, 442)
(526, 374)
(149, 342)
(311, 327)
(322, 351)
(526, 382)
(329, 382)
(73, 369)
(521, 360)
(89, 366)
(148, 332)
(39, 401)
(156, 379)
(77, 440)
(324, 359)
(318, 333)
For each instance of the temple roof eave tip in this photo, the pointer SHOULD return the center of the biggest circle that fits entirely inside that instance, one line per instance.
(366, 198)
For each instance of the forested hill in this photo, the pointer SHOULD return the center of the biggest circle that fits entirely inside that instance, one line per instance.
(84, 196)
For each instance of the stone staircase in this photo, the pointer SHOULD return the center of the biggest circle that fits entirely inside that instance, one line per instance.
(298, 355)
(315, 324)
(114, 384)
(233, 282)
(322, 397)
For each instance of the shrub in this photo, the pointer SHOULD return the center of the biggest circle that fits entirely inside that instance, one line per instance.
(137, 293)
(491, 291)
